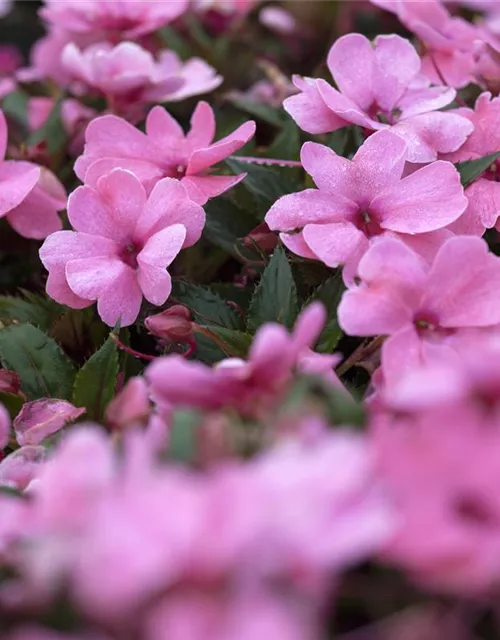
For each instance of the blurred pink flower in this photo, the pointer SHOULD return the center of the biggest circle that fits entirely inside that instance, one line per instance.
(361, 199)
(4, 427)
(21, 467)
(163, 151)
(122, 244)
(111, 19)
(130, 407)
(380, 87)
(40, 419)
(421, 306)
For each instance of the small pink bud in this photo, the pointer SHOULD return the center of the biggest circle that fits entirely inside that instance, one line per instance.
(174, 324)
(130, 406)
(42, 418)
(263, 237)
(10, 382)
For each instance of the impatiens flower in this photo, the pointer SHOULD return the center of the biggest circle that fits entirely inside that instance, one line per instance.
(111, 19)
(421, 306)
(484, 193)
(363, 198)
(122, 245)
(20, 468)
(40, 419)
(163, 151)
(254, 386)
(380, 86)
(30, 196)
(450, 42)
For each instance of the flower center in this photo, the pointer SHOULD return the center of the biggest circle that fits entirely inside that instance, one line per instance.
(129, 255)
(367, 223)
(426, 322)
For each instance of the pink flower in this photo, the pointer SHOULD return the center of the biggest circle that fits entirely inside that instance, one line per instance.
(197, 76)
(251, 386)
(22, 466)
(29, 195)
(380, 87)
(130, 407)
(122, 244)
(420, 306)
(484, 193)
(4, 427)
(40, 419)
(365, 198)
(450, 42)
(111, 19)
(163, 151)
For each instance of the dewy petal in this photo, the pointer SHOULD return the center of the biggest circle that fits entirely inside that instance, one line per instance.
(309, 110)
(352, 64)
(345, 108)
(162, 126)
(202, 130)
(148, 172)
(89, 277)
(334, 244)
(426, 244)
(36, 217)
(17, 179)
(428, 199)
(202, 159)
(167, 205)
(484, 202)
(112, 209)
(158, 253)
(201, 188)
(295, 210)
(464, 297)
(121, 301)
(296, 243)
(397, 64)
(40, 419)
(379, 163)
(423, 100)
(331, 173)
(431, 133)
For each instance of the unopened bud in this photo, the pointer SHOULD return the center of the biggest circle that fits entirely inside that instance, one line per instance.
(263, 237)
(174, 324)
(129, 407)
(10, 382)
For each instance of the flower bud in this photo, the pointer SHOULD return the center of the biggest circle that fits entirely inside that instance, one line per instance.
(10, 382)
(174, 324)
(263, 237)
(130, 406)
(40, 419)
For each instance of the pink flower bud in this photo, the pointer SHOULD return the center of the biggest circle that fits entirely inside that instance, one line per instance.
(263, 237)
(174, 324)
(130, 406)
(21, 466)
(10, 382)
(42, 418)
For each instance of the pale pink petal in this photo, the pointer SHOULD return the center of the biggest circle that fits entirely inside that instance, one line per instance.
(201, 188)
(331, 173)
(428, 199)
(352, 64)
(367, 312)
(167, 205)
(464, 297)
(162, 126)
(427, 244)
(309, 110)
(198, 76)
(17, 470)
(4, 427)
(401, 353)
(158, 253)
(17, 179)
(148, 172)
(379, 163)
(346, 108)
(121, 301)
(484, 204)
(202, 159)
(3, 135)
(294, 211)
(36, 217)
(40, 419)
(270, 355)
(296, 243)
(334, 244)
(309, 325)
(202, 130)
(423, 100)
(397, 64)
(90, 277)
(431, 133)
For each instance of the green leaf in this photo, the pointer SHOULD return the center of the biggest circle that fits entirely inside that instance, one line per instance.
(15, 105)
(182, 445)
(206, 306)
(95, 383)
(12, 403)
(234, 344)
(263, 112)
(265, 184)
(338, 140)
(472, 169)
(52, 131)
(45, 371)
(286, 145)
(176, 42)
(275, 298)
(226, 224)
(32, 308)
(329, 293)
(231, 293)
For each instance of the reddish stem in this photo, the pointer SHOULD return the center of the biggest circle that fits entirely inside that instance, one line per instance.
(129, 350)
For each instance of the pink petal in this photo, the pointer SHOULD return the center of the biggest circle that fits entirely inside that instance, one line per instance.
(90, 277)
(428, 199)
(352, 64)
(402, 353)
(202, 130)
(309, 110)
(417, 101)
(344, 107)
(334, 244)
(112, 209)
(471, 294)
(484, 207)
(309, 325)
(42, 418)
(4, 427)
(36, 217)
(201, 188)
(296, 243)
(367, 312)
(17, 179)
(379, 163)
(296, 210)
(202, 159)
(162, 126)
(18, 469)
(431, 133)
(398, 63)
(122, 301)
(331, 173)
(158, 253)
(167, 205)
(3, 135)
(147, 172)
(426, 244)
(271, 356)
